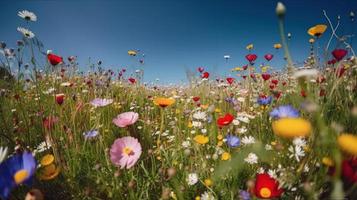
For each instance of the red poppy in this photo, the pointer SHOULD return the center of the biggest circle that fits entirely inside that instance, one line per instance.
(266, 76)
(268, 56)
(245, 67)
(195, 99)
(59, 99)
(200, 69)
(252, 76)
(283, 83)
(303, 93)
(54, 59)
(132, 80)
(339, 54)
(244, 76)
(267, 187)
(205, 75)
(275, 81)
(271, 86)
(230, 80)
(251, 57)
(349, 170)
(226, 120)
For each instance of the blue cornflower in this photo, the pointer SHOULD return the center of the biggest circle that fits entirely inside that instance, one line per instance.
(244, 195)
(263, 101)
(16, 170)
(90, 134)
(232, 141)
(284, 111)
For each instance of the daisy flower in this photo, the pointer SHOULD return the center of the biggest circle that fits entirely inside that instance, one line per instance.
(207, 196)
(26, 33)
(192, 179)
(252, 158)
(27, 15)
(248, 140)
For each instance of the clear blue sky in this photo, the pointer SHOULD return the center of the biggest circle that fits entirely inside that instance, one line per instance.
(174, 34)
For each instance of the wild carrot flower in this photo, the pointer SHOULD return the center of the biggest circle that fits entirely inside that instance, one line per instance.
(126, 119)
(125, 152)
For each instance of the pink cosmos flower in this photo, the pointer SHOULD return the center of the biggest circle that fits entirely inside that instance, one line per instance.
(125, 152)
(126, 119)
(98, 102)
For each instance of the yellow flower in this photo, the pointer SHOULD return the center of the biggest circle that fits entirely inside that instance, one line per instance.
(328, 161)
(291, 127)
(49, 170)
(163, 102)
(249, 47)
(226, 156)
(317, 30)
(277, 46)
(189, 125)
(217, 110)
(348, 143)
(208, 182)
(219, 143)
(201, 139)
(220, 137)
(198, 198)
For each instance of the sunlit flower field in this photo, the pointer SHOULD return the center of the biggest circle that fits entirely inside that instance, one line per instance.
(261, 134)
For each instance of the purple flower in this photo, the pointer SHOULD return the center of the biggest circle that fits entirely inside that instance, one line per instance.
(284, 111)
(98, 102)
(90, 134)
(244, 195)
(263, 101)
(232, 141)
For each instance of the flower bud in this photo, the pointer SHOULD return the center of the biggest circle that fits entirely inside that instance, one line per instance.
(280, 9)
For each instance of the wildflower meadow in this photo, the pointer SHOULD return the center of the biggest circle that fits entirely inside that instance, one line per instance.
(71, 130)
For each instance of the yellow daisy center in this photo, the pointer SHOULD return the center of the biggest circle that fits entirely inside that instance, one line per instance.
(20, 176)
(265, 192)
(128, 151)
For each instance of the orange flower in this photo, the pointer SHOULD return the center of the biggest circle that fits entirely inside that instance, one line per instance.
(163, 102)
(317, 30)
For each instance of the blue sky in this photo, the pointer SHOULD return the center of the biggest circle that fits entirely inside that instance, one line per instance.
(174, 35)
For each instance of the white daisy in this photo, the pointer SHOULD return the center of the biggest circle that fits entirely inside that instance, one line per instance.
(27, 33)
(252, 158)
(3, 153)
(192, 179)
(199, 115)
(207, 196)
(248, 140)
(299, 141)
(186, 144)
(27, 15)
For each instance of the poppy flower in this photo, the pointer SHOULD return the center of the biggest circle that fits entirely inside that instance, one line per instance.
(266, 76)
(251, 57)
(317, 30)
(275, 81)
(205, 75)
(16, 170)
(348, 143)
(200, 69)
(349, 170)
(339, 54)
(54, 59)
(195, 99)
(163, 102)
(59, 98)
(230, 80)
(267, 187)
(132, 80)
(268, 56)
(244, 76)
(291, 127)
(125, 152)
(245, 67)
(226, 120)
(125, 119)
